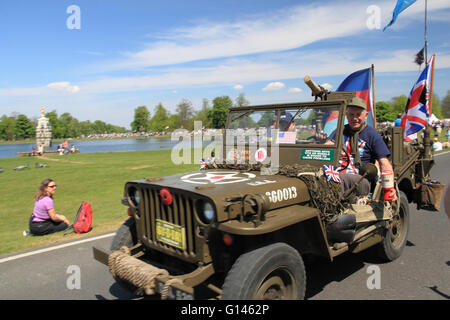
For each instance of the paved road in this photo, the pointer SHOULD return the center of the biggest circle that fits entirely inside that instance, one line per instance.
(422, 272)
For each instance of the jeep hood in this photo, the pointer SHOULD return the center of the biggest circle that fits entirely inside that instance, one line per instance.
(222, 185)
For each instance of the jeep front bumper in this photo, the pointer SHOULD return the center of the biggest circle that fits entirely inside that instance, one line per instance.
(152, 279)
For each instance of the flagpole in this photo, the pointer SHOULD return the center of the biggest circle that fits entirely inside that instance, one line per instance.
(431, 84)
(374, 110)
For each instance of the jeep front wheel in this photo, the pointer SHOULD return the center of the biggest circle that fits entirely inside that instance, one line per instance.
(396, 236)
(125, 235)
(273, 272)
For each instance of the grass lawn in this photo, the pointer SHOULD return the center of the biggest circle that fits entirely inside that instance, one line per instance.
(98, 178)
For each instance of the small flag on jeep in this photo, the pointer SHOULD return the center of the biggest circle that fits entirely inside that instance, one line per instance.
(332, 173)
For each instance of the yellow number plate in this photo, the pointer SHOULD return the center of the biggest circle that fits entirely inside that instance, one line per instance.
(170, 234)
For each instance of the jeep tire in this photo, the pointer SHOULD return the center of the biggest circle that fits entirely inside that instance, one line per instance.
(125, 236)
(273, 272)
(395, 238)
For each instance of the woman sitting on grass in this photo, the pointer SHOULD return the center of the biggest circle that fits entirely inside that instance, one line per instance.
(44, 219)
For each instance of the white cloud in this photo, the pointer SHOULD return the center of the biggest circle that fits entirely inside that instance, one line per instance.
(280, 30)
(315, 63)
(63, 86)
(238, 87)
(294, 90)
(274, 86)
(327, 86)
(274, 31)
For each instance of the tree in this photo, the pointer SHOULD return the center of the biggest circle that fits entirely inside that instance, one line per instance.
(7, 127)
(445, 105)
(385, 112)
(141, 119)
(23, 127)
(159, 121)
(70, 125)
(58, 128)
(241, 101)
(399, 104)
(185, 111)
(436, 108)
(202, 114)
(218, 113)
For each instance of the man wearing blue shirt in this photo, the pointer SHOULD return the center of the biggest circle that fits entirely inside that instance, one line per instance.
(363, 144)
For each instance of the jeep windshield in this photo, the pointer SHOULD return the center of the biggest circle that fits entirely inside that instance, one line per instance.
(303, 125)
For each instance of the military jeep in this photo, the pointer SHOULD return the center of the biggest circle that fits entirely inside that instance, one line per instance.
(242, 228)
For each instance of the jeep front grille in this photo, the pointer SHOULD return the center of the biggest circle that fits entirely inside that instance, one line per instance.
(180, 212)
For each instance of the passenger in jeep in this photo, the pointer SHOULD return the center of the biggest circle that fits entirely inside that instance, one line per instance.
(363, 144)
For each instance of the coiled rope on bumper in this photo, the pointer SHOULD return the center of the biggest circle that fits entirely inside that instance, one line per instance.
(140, 274)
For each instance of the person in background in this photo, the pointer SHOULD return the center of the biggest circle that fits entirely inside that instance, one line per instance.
(398, 121)
(44, 219)
(437, 145)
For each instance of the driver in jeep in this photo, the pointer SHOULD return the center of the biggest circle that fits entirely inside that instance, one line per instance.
(363, 144)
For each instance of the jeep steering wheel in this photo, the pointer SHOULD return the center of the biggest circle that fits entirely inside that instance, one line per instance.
(348, 160)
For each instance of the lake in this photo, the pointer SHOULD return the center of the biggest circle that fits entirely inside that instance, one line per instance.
(92, 146)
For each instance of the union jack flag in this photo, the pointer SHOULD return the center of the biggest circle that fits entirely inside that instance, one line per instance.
(417, 110)
(332, 173)
(347, 150)
(203, 164)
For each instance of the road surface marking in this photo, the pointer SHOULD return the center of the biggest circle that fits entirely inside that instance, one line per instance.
(27, 254)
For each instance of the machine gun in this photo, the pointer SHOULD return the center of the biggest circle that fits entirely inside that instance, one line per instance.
(318, 91)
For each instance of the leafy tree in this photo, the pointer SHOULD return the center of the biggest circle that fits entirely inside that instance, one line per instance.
(7, 127)
(202, 114)
(436, 107)
(385, 112)
(141, 119)
(241, 101)
(23, 127)
(58, 127)
(70, 125)
(99, 127)
(399, 104)
(160, 119)
(185, 111)
(218, 113)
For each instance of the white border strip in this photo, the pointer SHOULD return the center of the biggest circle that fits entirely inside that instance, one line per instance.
(27, 254)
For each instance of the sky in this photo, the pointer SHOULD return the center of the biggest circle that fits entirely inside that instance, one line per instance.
(100, 59)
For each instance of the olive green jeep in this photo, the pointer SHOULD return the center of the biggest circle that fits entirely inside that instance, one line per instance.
(241, 228)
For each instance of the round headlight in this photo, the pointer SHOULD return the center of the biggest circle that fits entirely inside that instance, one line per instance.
(137, 197)
(134, 196)
(206, 212)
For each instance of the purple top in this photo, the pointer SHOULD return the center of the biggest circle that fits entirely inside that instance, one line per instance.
(41, 207)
